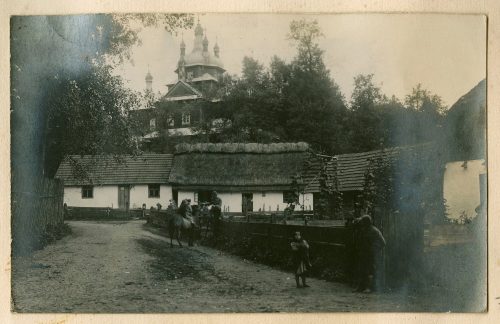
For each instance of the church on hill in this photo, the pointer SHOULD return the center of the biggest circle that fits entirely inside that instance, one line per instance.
(199, 74)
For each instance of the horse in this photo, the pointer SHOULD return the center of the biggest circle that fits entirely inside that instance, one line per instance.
(177, 223)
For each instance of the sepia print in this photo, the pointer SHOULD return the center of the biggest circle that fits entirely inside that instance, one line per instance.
(221, 163)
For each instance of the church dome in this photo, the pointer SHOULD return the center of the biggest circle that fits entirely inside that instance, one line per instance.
(198, 57)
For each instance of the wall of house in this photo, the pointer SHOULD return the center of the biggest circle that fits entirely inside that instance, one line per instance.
(181, 195)
(461, 187)
(139, 194)
(274, 201)
(104, 196)
(233, 200)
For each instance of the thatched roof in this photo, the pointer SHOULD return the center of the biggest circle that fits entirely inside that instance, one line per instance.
(241, 148)
(111, 170)
(234, 167)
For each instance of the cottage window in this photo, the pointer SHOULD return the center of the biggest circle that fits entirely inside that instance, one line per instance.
(154, 190)
(289, 197)
(87, 192)
(152, 124)
(186, 118)
(170, 121)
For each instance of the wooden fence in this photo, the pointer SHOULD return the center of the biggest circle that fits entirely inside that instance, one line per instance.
(269, 243)
(35, 210)
(99, 213)
(332, 246)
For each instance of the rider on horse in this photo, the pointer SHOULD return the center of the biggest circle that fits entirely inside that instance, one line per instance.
(186, 211)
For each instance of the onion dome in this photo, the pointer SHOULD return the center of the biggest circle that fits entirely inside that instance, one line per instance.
(198, 31)
(216, 49)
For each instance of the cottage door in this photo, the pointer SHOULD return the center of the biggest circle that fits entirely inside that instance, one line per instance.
(123, 197)
(247, 200)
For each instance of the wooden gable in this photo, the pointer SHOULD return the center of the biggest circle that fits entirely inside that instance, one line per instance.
(182, 89)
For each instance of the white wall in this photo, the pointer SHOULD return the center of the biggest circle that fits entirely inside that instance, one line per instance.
(233, 200)
(181, 195)
(461, 187)
(107, 196)
(274, 200)
(104, 196)
(139, 194)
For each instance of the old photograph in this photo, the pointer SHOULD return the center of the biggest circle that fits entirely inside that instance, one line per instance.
(248, 163)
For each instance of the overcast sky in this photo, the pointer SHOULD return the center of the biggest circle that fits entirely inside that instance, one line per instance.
(446, 53)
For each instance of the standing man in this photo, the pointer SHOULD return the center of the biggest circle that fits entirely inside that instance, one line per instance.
(216, 211)
(370, 245)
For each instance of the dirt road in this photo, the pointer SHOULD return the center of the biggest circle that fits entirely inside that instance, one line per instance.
(116, 267)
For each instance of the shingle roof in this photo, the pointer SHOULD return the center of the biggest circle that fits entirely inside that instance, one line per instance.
(108, 170)
(351, 168)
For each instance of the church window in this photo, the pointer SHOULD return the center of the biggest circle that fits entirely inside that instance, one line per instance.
(186, 118)
(152, 124)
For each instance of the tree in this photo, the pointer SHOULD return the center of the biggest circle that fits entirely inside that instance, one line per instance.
(423, 100)
(247, 112)
(295, 101)
(315, 109)
(67, 48)
(305, 33)
(365, 131)
(88, 115)
(429, 108)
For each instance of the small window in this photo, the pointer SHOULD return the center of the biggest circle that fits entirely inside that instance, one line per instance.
(170, 121)
(263, 194)
(152, 124)
(195, 197)
(186, 118)
(190, 75)
(87, 192)
(289, 197)
(154, 190)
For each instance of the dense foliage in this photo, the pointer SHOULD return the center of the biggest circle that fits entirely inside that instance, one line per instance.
(300, 101)
(70, 57)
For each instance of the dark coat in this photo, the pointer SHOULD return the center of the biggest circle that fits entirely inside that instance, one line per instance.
(301, 254)
(370, 244)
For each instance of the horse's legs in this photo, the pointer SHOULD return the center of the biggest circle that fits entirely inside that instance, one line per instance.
(178, 231)
(171, 236)
(207, 227)
(190, 232)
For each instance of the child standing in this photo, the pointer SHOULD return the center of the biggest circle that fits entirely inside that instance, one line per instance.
(301, 264)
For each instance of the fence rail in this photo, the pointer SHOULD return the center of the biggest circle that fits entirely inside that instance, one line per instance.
(34, 211)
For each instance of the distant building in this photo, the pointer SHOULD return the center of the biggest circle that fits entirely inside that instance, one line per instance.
(464, 188)
(199, 74)
(103, 182)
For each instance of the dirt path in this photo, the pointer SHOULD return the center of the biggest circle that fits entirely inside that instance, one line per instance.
(116, 267)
